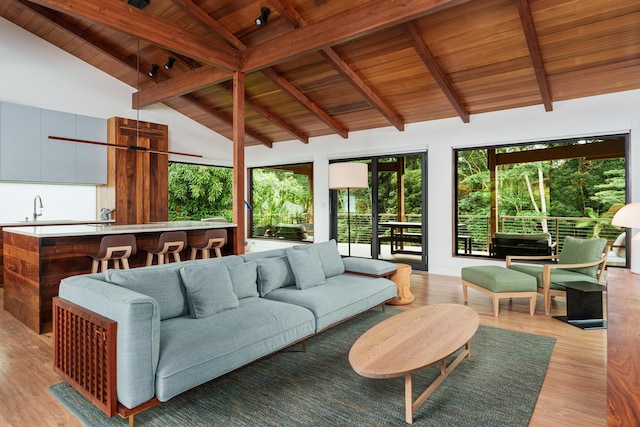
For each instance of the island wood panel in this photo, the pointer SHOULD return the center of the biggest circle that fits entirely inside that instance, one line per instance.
(35, 266)
(623, 347)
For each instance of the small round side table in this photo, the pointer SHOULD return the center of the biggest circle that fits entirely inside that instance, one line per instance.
(402, 279)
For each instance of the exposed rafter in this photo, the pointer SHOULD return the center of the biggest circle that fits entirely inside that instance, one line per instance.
(148, 27)
(296, 93)
(226, 118)
(534, 51)
(354, 23)
(363, 88)
(288, 12)
(436, 71)
(271, 116)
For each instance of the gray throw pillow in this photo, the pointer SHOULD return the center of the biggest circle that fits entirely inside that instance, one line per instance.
(330, 258)
(306, 266)
(274, 273)
(577, 251)
(244, 278)
(209, 289)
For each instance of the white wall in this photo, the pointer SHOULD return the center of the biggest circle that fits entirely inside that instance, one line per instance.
(601, 115)
(33, 72)
(36, 73)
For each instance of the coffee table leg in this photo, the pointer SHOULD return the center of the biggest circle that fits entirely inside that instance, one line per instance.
(408, 399)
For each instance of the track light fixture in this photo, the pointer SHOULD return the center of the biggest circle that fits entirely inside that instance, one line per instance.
(154, 70)
(264, 16)
(170, 61)
(140, 4)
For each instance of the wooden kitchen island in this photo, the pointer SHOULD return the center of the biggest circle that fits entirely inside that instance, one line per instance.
(36, 258)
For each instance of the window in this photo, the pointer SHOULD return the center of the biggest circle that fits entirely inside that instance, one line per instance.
(282, 202)
(567, 187)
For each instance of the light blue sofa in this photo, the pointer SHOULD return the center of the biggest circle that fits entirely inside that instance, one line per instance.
(180, 325)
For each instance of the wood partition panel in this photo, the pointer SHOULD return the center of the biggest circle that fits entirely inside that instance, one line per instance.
(138, 177)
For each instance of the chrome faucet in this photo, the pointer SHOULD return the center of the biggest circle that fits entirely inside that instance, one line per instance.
(35, 212)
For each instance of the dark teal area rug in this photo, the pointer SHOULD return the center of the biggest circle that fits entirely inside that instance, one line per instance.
(497, 386)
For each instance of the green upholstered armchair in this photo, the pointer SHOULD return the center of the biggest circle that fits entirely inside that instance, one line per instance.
(579, 260)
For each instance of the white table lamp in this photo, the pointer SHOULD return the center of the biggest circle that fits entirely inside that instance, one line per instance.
(348, 175)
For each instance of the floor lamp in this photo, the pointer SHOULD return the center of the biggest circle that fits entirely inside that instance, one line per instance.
(628, 216)
(348, 175)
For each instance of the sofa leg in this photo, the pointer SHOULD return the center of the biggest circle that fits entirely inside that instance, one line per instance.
(304, 346)
(132, 421)
(383, 308)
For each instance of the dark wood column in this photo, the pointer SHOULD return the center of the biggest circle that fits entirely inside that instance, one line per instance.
(138, 178)
(238, 163)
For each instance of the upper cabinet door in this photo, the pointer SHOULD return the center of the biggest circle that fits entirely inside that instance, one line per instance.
(58, 158)
(19, 143)
(91, 163)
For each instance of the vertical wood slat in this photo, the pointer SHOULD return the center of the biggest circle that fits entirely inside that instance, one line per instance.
(84, 353)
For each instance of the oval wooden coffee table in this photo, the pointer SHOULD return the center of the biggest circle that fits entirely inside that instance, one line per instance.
(413, 340)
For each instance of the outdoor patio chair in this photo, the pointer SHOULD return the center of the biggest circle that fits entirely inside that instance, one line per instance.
(579, 260)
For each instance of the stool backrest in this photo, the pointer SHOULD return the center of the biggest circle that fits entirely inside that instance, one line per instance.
(219, 233)
(119, 241)
(177, 240)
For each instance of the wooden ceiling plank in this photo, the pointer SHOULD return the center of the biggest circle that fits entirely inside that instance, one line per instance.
(56, 18)
(528, 26)
(185, 83)
(310, 105)
(363, 88)
(361, 20)
(288, 12)
(135, 22)
(271, 116)
(220, 115)
(436, 71)
(213, 24)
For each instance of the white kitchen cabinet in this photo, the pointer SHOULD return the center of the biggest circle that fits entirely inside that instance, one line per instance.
(19, 143)
(91, 160)
(57, 158)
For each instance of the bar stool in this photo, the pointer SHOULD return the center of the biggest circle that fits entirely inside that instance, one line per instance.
(213, 239)
(117, 248)
(170, 242)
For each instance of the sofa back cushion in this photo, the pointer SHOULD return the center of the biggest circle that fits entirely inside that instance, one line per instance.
(330, 258)
(244, 278)
(162, 284)
(306, 266)
(274, 273)
(578, 251)
(209, 289)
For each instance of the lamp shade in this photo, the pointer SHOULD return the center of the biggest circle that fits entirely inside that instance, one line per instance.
(348, 175)
(628, 216)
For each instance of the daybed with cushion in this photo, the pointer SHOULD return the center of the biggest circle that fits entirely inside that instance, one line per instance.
(504, 244)
(180, 325)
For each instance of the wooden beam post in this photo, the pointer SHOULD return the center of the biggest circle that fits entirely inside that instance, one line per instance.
(238, 163)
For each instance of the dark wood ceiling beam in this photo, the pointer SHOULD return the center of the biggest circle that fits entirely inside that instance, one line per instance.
(531, 35)
(226, 118)
(191, 81)
(365, 19)
(271, 116)
(436, 71)
(363, 88)
(288, 12)
(135, 22)
(304, 100)
(213, 24)
(57, 19)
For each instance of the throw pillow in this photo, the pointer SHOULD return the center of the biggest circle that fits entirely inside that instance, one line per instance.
(619, 246)
(330, 258)
(578, 251)
(306, 266)
(274, 273)
(209, 289)
(244, 278)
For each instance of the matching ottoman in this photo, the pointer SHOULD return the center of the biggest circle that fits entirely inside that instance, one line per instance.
(402, 278)
(499, 282)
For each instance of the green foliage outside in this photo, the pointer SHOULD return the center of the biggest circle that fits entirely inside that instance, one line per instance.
(197, 192)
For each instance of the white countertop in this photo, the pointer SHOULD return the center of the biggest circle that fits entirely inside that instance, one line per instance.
(102, 229)
(52, 222)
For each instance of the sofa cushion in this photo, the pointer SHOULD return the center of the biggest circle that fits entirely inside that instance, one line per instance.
(330, 258)
(306, 266)
(162, 284)
(557, 275)
(209, 289)
(244, 278)
(373, 267)
(577, 251)
(274, 273)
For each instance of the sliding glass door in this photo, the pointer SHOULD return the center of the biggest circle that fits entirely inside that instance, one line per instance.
(387, 220)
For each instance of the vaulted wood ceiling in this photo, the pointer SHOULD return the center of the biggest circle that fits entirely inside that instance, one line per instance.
(323, 67)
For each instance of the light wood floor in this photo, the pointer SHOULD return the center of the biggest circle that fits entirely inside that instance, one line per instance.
(573, 393)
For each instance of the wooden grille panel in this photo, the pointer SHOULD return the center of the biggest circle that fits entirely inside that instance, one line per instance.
(85, 353)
